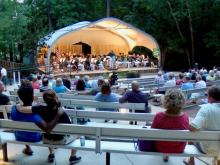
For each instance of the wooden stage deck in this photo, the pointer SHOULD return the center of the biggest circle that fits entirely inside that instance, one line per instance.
(141, 70)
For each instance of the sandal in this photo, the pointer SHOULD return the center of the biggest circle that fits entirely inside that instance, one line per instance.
(165, 158)
(186, 162)
(27, 152)
(51, 158)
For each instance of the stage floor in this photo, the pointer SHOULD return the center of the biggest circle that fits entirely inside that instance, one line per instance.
(141, 70)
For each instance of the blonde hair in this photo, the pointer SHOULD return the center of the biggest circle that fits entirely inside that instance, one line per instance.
(174, 101)
(59, 82)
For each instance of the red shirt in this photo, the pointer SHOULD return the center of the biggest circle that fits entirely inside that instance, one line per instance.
(163, 121)
(35, 85)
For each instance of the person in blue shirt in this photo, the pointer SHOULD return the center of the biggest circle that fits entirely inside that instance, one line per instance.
(135, 96)
(187, 85)
(106, 96)
(59, 87)
(25, 93)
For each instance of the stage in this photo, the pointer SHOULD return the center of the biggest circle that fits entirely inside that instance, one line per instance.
(105, 72)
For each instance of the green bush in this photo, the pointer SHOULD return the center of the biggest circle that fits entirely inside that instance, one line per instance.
(133, 75)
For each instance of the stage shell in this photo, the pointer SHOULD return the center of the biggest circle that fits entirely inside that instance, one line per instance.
(103, 36)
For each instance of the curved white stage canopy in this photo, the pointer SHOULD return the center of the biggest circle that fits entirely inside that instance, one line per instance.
(103, 36)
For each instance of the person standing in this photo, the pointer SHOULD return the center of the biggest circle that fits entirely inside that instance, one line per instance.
(4, 75)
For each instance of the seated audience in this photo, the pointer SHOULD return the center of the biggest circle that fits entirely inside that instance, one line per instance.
(97, 89)
(35, 84)
(26, 95)
(135, 96)
(159, 78)
(106, 96)
(187, 84)
(80, 86)
(67, 82)
(51, 81)
(180, 81)
(4, 99)
(59, 87)
(211, 76)
(172, 119)
(199, 84)
(208, 119)
(171, 82)
(44, 86)
(86, 80)
(48, 113)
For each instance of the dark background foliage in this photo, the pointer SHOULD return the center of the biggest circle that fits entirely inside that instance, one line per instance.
(187, 31)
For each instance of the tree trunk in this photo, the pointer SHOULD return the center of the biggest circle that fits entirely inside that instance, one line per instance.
(49, 16)
(179, 31)
(191, 32)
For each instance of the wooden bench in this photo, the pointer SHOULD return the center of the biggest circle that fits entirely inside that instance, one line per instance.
(101, 142)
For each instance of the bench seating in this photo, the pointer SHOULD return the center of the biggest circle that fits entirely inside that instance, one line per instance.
(75, 103)
(114, 145)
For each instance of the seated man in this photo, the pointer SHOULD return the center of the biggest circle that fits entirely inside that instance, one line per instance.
(208, 119)
(135, 96)
(25, 93)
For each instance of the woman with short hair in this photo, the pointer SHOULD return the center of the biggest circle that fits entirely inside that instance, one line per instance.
(172, 119)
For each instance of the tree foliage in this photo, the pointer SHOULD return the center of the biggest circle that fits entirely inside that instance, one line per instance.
(187, 31)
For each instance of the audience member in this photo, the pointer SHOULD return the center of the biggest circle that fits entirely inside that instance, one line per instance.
(173, 118)
(159, 78)
(187, 84)
(80, 86)
(35, 84)
(171, 80)
(180, 81)
(135, 96)
(86, 79)
(3, 75)
(67, 82)
(59, 87)
(97, 89)
(4, 99)
(26, 93)
(48, 113)
(208, 119)
(51, 81)
(44, 86)
(106, 96)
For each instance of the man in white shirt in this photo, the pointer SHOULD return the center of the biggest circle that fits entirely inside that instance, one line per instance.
(199, 84)
(171, 81)
(4, 75)
(208, 119)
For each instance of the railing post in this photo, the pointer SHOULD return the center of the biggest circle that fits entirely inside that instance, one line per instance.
(14, 78)
(19, 78)
(98, 141)
(108, 158)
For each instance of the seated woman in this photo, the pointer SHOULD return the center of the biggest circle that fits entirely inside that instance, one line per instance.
(59, 87)
(48, 113)
(174, 119)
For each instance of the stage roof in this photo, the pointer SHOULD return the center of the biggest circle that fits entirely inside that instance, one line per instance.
(103, 36)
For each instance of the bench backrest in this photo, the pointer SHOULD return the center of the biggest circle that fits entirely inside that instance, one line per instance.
(117, 131)
(92, 103)
(74, 114)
